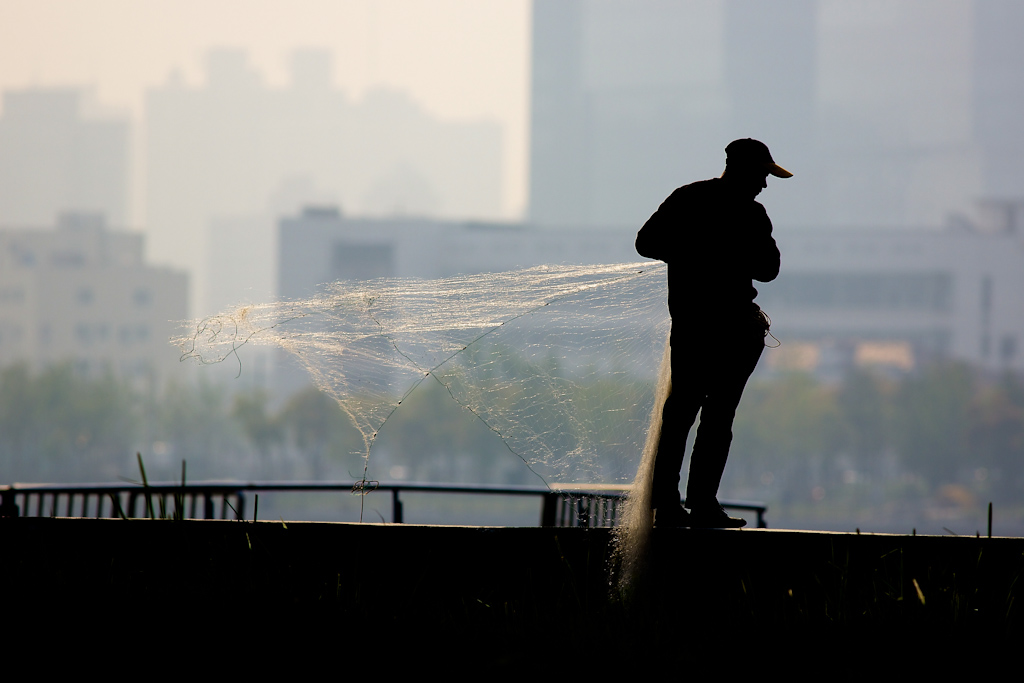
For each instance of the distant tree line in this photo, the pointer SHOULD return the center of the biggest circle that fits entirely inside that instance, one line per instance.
(946, 430)
(58, 426)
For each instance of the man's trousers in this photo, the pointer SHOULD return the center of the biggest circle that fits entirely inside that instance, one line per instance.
(710, 367)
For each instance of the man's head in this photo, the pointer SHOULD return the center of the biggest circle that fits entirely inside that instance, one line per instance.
(748, 163)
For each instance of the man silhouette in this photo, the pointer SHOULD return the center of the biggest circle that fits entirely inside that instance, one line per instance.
(715, 239)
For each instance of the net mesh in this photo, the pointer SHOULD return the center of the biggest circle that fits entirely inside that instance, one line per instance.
(561, 362)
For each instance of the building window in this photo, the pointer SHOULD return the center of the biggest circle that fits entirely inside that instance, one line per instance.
(67, 258)
(986, 299)
(84, 296)
(894, 291)
(23, 256)
(142, 297)
(12, 295)
(1008, 348)
(362, 261)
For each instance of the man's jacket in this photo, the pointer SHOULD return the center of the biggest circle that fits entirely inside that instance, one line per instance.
(714, 242)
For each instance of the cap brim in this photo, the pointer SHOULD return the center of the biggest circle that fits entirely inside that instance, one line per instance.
(778, 171)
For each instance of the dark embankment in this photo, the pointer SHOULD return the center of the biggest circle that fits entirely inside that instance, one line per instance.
(512, 594)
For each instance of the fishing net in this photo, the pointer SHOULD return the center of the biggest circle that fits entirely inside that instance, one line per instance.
(560, 362)
(568, 365)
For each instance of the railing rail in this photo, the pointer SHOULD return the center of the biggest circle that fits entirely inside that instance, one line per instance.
(596, 505)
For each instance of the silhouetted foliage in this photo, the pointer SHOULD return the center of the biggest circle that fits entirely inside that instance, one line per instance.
(933, 410)
(317, 428)
(58, 426)
(947, 435)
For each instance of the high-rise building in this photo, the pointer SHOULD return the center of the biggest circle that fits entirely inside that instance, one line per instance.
(59, 153)
(82, 294)
(998, 96)
(890, 114)
(631, 101)
(223, 150)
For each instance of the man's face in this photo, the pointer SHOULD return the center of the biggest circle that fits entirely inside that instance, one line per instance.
(751, 180)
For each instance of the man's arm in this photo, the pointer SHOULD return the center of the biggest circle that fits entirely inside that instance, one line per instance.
(766, 258)
(653, 240)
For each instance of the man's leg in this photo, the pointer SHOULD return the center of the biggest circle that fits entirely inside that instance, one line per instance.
(714, 434)
(677, 417)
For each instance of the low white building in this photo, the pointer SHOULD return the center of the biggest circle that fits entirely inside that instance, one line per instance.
(893, 298)
(897, 298)
(80, 293)
(320, 245)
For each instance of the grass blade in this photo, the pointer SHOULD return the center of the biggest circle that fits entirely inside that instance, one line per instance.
(145, 485)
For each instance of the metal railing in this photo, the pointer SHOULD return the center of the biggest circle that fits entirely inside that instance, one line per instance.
(596, 505)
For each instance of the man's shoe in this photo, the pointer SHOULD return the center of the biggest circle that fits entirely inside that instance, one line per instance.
(714, 517)
(671, 515)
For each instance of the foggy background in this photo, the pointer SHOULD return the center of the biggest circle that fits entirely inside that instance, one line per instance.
(164, 162)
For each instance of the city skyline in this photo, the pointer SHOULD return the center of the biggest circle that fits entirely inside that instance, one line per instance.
(458, 60)
(905, 75)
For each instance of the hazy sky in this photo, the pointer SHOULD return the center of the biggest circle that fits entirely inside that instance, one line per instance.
(460, 59)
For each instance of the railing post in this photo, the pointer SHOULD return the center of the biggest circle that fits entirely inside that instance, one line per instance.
(396, 507)
(549, 508)
(582, 512)
(8, 504)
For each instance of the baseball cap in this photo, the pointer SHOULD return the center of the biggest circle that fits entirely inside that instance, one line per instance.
(753, 152)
